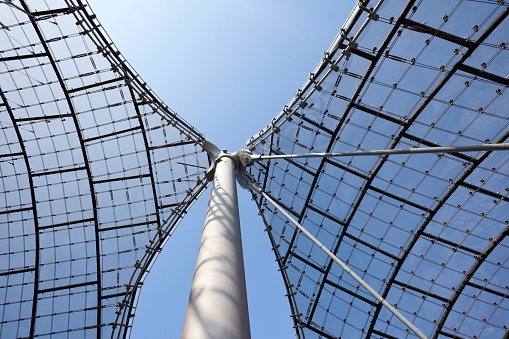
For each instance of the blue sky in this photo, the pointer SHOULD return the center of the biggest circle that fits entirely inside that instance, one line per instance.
(228, 68)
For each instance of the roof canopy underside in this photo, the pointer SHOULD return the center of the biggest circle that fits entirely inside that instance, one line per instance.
(95, 173)
(428, 232)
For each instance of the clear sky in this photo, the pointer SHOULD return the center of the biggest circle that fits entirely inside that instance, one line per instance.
(228, 67)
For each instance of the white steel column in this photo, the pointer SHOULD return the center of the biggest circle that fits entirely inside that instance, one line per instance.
(217, 306)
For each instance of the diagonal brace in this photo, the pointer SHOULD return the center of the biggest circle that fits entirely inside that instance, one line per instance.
(398, 315)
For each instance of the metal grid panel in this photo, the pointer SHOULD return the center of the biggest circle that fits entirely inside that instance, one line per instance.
(96, 172)
(427, 232)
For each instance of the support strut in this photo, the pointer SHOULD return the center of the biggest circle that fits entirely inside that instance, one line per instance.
(249, 159)
(384, 302)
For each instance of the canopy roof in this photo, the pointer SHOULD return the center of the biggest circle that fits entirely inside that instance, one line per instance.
(96, 172)
(429, 231)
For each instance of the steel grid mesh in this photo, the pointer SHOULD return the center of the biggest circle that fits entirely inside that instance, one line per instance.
(96, 172)
(427, 232)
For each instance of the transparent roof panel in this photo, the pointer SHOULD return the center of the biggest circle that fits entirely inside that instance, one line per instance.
(96, 172)
(426, 231)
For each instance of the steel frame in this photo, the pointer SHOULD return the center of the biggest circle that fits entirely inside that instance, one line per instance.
(115, 304)
(145, 105)
(265, 140)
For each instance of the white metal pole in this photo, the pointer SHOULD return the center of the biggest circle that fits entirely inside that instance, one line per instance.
(217, 306)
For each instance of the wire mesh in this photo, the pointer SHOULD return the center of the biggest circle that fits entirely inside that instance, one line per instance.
(96, 172)
(427, 232)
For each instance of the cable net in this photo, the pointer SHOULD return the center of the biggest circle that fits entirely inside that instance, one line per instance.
(95, 174)
(428, 232)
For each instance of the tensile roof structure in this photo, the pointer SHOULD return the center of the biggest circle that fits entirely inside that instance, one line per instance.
(97, 172)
